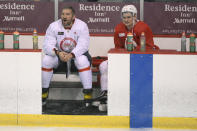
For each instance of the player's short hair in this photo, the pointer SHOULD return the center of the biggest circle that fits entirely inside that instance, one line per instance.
(71, 8)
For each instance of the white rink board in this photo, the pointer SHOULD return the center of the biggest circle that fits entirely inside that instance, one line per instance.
(174, 85)
(8, 83)
(29, 93)
(20, 82)
(119, 84)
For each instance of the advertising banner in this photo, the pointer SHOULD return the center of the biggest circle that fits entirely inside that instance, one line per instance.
(25, 16)
(171, 18)
(164, 18)
(101, 17)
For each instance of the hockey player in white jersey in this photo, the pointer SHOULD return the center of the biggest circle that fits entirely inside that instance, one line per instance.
(66, 39)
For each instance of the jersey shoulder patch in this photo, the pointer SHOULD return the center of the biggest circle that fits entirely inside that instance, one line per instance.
(121, 34)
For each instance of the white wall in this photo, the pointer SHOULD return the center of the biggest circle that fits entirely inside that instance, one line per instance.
(99, 46)
(25, 41)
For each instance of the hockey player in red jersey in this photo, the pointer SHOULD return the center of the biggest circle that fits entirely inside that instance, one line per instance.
(129, 24)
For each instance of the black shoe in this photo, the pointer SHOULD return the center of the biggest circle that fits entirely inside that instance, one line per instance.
(102, 97)
(101, 101)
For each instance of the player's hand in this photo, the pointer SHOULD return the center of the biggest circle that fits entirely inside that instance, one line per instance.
(67, 57)
(134, 44)
(62, 56)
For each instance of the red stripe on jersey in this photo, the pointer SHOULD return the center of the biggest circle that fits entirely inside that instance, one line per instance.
(47, 69)
(84, 69)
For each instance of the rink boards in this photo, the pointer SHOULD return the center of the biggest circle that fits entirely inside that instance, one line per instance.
(156, 89)
(145, 90)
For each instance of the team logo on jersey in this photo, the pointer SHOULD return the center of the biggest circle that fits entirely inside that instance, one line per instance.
(68, 44)
(121, 34)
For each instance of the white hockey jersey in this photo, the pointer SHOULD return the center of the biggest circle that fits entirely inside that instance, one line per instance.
(75, 40)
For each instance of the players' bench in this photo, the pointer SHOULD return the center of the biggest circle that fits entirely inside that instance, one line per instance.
(96, 61)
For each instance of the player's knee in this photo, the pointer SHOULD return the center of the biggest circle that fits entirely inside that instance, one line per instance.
(82, 62)
(48, 61)
(103, 67)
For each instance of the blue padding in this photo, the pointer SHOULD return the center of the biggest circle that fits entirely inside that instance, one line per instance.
(141, 90)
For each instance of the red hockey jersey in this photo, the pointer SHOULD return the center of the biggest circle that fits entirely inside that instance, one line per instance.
(121, 34)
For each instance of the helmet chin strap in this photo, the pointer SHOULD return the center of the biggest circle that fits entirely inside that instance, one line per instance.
(133, 23)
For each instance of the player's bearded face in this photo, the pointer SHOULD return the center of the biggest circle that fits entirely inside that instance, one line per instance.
(128, 19)
(67, 17)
